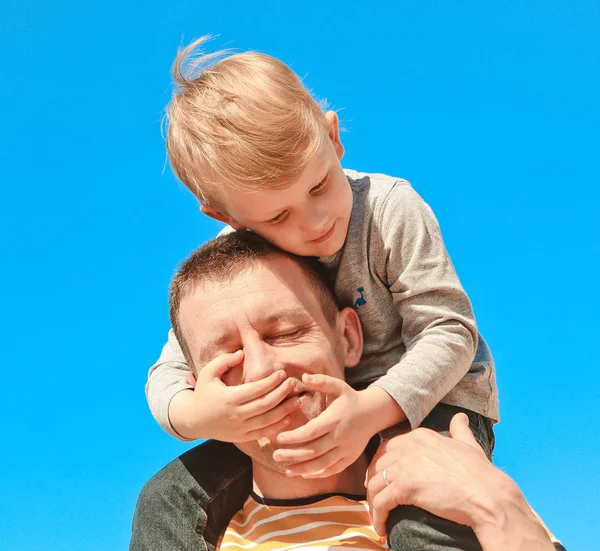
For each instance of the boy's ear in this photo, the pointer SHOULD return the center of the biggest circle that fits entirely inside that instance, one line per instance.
(218, 215)
(350, 331)
(334, 132)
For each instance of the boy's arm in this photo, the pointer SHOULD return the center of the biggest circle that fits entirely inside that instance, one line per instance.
(438, 326)
(438, 330)
(166, 378)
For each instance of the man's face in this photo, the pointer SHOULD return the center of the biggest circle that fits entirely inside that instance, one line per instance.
(272, 312)
(310, 217)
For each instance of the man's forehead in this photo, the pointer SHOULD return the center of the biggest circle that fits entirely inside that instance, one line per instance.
(273, 290)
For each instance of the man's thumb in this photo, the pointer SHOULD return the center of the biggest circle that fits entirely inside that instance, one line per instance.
(460, 430)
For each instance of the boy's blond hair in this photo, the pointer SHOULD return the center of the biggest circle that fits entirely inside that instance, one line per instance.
(244, 121)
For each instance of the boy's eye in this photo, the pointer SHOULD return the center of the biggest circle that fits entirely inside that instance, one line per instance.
(279, 218)
(318, 188)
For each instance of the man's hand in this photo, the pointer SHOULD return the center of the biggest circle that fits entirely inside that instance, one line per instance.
(232, 413)
(452, 478)
(336, 438)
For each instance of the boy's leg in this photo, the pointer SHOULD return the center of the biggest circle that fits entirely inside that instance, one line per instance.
(188, 504)
(413, 529)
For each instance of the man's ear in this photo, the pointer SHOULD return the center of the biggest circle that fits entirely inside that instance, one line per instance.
(350, 332)
(218, 215)
(333, 131)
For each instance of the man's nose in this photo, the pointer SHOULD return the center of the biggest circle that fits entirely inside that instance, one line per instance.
(258, 362)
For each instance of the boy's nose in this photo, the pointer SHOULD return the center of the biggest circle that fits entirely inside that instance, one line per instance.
(314, 219)
(258, 362)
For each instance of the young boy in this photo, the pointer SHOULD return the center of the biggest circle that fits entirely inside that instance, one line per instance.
(249, 141)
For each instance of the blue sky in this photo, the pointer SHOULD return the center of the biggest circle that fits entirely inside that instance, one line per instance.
(489, 108)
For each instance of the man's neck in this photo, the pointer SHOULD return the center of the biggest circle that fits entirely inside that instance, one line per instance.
(276, 485)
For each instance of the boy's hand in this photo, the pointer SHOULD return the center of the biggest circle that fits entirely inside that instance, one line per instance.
(232, 413)
(335, 439)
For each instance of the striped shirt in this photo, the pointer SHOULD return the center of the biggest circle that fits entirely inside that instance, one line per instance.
(329, 522)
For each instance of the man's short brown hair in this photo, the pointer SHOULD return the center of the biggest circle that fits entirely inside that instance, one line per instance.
(224, 258)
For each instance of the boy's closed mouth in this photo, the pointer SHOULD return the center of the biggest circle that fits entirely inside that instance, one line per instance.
(325, 236)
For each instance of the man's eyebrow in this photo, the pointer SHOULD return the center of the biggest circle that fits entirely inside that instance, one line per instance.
(210, 349)
(293, 314)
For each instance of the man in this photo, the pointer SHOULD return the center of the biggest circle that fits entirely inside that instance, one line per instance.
(240, 293)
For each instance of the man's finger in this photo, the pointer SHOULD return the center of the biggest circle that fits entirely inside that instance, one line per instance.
(377, 483)
(381, 451)
(325, 384)
(248, 392)
(382, 460)
(314, 429)
(381, 505)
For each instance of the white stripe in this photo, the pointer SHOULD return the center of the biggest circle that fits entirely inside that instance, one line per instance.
(312, 543)
(360, 507)
(258, 508)
(304, 528)
(340, 547)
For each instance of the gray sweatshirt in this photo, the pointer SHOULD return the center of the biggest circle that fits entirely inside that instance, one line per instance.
(421, 341)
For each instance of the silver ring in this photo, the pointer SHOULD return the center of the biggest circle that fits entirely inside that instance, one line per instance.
(385, 479)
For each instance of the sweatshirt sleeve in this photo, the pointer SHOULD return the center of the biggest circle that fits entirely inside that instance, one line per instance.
(165, 379)
(438, 326)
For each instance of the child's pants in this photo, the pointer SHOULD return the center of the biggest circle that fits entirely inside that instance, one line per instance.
(213, 480)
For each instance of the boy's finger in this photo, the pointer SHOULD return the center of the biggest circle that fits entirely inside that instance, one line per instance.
(315, 465)
(251, 391)
(190, 379)
(336, 468)
(217, 367)
(315, 449)
(266, 402)
(274, 415)
(314, 429)
(324, 383)
(271, 429)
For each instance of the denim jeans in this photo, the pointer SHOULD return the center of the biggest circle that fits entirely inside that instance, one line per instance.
(212, 481)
